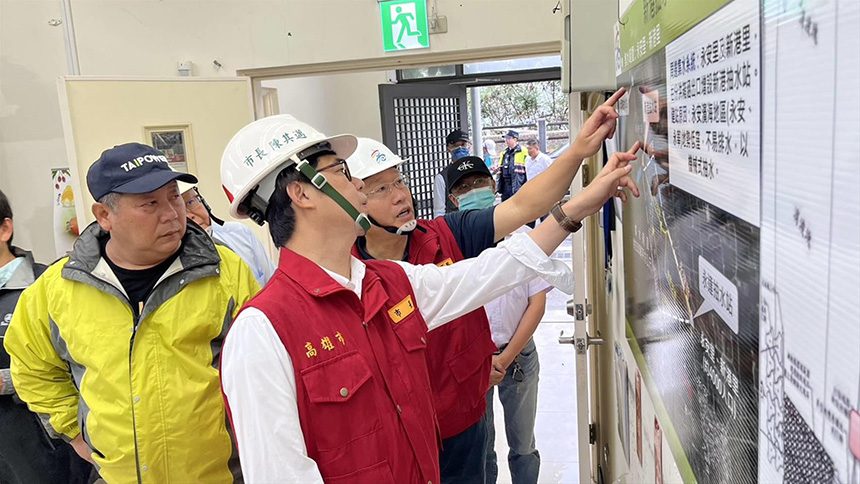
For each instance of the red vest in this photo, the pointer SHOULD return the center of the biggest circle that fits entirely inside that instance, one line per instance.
(459, 354)
(362, 385)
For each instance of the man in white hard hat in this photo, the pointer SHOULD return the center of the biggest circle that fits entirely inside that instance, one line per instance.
(236, 236)
(460, 355)
(324, 371)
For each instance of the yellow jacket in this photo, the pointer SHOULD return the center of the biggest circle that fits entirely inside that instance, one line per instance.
(144, 392)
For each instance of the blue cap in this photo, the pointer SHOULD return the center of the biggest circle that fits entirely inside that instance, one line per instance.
(131, 168)
(512, 134)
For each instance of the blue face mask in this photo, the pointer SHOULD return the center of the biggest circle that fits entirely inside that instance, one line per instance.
(477, 199)
(9, 269)
(460, 152)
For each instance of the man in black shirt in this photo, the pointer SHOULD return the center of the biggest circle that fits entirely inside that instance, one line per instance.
(137, 283)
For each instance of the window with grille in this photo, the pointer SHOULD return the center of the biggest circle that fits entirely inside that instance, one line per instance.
(420, 127)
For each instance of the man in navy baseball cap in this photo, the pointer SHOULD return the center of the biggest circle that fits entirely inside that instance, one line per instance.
(131, 168)
(138, 205)
(145, 291)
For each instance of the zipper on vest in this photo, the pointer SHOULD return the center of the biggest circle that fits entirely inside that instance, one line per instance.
(135, 320)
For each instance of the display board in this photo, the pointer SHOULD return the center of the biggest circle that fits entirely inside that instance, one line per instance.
(810, 253)
(742, 257)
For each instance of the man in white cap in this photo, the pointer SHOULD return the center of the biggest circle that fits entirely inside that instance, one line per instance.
(460, 355)
(489, 154)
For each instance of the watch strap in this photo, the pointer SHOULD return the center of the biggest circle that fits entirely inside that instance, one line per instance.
(563, 220)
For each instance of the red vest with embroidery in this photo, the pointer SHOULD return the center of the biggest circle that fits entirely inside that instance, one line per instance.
(460, 353)
(362, 384)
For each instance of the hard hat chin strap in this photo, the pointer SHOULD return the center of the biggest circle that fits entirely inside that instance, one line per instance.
(404, 229)
(319, 180)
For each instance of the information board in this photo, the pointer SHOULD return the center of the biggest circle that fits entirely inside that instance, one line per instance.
(810, 277)
(742, 257)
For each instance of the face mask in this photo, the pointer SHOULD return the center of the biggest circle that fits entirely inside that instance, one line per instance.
(477, 199)
(9, 269)
(460, 152)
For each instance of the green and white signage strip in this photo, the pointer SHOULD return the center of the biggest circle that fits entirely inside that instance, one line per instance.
(404, 25)
(660, 410)
(648, 25)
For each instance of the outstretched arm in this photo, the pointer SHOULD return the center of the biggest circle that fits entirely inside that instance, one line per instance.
(537, 196)
(446, 293)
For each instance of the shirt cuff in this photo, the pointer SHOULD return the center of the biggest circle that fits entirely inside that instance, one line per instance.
(8, 386)
(526, 252)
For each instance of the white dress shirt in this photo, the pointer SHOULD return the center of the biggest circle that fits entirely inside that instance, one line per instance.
(440, 195)
(239, 238)
(536, 166)
(506, 311)
(257, 375)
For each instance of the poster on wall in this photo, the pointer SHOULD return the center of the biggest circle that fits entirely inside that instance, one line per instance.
(809, 405)
(743, 279)
(691, 241)
(175, 142)
(713, 80)
(65, 222)
(622, 405)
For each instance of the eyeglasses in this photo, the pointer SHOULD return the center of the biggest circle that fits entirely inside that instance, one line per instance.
(463, 188)
(344, 168)
(386, 189)
(192, 202)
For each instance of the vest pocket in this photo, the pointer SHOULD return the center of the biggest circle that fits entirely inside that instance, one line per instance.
(470, 368)
(467, 362)
(375, 474)
(411, 334)
(342, 402)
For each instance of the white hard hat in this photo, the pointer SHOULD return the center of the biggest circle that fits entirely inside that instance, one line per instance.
(184, 187)
(260, 150)
(371, 157)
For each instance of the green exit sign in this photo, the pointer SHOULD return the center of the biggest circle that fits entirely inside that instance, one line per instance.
(404, 25)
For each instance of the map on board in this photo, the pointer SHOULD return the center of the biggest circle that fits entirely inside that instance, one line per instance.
(692, 242)
(809, 426)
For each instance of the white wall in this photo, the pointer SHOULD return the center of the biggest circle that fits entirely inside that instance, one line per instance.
(31, 134)
(343, 103)
(149, 37)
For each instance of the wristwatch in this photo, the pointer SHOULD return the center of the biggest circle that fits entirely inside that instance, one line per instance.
(563, 220)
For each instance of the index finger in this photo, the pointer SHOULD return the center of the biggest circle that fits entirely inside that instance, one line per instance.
(633, 149)
(615, 97)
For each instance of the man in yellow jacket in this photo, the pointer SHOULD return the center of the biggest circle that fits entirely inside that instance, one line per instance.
(117, 346)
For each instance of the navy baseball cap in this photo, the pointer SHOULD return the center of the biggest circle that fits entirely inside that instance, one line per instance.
(465, 166)
(131, 168)
(456, 136)
(512, 134)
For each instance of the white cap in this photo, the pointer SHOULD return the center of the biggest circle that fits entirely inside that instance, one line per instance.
(490, 145)
(371, 157)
